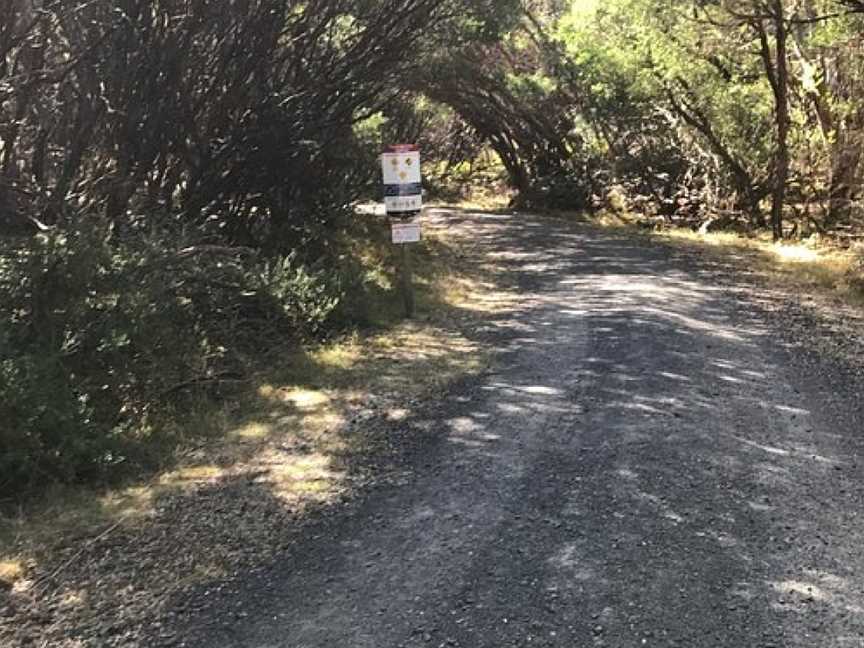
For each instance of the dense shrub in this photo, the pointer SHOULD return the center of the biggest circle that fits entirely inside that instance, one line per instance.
(190, 168)
(99, 331)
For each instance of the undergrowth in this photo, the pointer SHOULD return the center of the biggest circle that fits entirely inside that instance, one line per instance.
(105, 338)
(299, 398)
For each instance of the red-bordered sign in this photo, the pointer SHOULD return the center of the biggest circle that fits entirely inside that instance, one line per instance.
(401, 148)
(403, 180)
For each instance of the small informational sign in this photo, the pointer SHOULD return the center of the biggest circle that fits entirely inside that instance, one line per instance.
(406, 232)
(403, 182)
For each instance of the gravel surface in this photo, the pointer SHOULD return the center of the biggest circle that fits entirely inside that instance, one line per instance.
(664, 453)
(654, 460)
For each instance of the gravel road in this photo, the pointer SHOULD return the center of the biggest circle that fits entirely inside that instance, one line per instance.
(649, 463)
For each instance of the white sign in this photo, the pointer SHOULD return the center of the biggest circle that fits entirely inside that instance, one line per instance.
(406, 232)
(403, 182)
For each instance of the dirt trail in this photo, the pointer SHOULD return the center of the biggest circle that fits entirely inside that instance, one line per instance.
(647, 464)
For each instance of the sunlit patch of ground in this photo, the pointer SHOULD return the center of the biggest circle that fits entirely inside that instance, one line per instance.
(803, 266)
(472, 284)
(819, 586)
(10, 572)
(814, 267)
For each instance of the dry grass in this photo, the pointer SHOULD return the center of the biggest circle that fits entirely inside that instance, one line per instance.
(815, 268)
(809, 267)
(11, 571)
(490, 198)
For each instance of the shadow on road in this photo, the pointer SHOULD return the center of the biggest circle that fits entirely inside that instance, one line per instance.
(643, 466)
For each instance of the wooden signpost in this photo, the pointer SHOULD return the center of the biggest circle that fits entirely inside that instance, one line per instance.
(403, 199)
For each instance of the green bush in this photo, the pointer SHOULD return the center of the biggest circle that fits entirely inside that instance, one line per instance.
(99, 332)
(306, 299)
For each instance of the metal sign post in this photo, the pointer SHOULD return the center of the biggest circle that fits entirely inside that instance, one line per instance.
(403, 199)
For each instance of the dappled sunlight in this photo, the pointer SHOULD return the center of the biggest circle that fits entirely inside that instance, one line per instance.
(472, 431)
(11, 571)
(674, 376)
(280, 449)
(397, 414)
(639, 407)
(474, 296)
(628, 431)
(342, 356)
(678, 298)
(802, 268)
(254, 431)
(190, 475)
(133, 502)
(478, 291)
(796, 253)
(300, 398)
(298, 479)
(293, 443)
(818, 587)
(464, 424)
(764, 448)
(74, 598)
(801, 588)
(789, 409)
(539, 389)
(613, 315)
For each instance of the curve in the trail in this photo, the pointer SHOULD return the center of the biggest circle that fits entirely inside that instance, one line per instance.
(644, 466)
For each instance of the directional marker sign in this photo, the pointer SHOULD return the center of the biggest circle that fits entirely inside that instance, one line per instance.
(403, 183)
(406, 232)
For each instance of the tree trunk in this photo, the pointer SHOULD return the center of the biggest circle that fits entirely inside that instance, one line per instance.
(777, 69)
(782, 176)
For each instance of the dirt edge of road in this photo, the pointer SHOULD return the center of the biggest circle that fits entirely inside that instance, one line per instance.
(96, 568)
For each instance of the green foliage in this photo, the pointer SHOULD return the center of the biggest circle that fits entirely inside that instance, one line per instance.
(306, 299)
(176, 180)
(693, 84)
(99, 333)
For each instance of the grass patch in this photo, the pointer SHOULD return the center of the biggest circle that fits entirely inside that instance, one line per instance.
(816, 268)
(808, 267)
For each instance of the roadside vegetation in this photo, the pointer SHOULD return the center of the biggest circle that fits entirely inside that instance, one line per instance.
(247, 464)
(178, 180)
(181, 249)
(177, 190)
